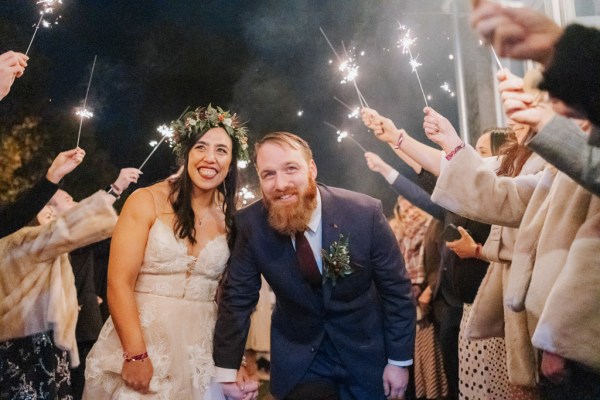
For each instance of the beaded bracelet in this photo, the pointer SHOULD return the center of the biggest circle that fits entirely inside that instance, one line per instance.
(138, 357)
(456, 150)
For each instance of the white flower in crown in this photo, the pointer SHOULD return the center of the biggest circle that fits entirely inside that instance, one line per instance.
(227, 122)
(192, 122)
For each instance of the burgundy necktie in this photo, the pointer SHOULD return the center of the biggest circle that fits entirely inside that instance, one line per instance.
(306, 260)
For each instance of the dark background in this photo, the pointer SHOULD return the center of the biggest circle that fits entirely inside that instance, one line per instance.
(264, 60)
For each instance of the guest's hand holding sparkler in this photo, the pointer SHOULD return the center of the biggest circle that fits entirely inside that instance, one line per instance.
(439, 130)
(127, 176)
(376, 164)
(383, 128)
(64, 163)
(521, 33)
(410, 150)
(12, 65)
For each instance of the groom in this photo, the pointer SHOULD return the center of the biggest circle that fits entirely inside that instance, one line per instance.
(340, 328)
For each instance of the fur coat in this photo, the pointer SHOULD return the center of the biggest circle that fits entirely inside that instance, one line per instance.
(552, 212)
(37, 288)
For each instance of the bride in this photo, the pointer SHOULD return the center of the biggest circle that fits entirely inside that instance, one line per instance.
(168, 252)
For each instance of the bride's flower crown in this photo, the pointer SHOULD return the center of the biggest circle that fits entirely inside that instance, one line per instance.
(195, 123)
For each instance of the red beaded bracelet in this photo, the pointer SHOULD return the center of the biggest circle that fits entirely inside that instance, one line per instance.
(138, 357)
(456, 150)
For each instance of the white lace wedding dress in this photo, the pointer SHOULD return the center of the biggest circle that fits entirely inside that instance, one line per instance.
(175, 294)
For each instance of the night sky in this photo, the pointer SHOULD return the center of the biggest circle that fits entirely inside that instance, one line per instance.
(265, 60)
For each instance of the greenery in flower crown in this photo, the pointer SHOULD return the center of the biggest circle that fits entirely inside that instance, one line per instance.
(195, 123)
(336, 261)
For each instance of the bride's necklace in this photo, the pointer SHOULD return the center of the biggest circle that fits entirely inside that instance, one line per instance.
(199, 222)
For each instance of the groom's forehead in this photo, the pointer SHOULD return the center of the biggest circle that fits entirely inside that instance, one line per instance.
(278, 154)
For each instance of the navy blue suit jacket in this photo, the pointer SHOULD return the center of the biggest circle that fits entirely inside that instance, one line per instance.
(369, 315)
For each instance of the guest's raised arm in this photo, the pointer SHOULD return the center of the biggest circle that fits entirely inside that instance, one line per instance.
(385, 130)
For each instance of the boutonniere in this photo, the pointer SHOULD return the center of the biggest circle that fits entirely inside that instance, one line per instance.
(336, 261)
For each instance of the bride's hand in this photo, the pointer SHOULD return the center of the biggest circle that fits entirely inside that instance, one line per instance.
(237, 391)
(137, 374)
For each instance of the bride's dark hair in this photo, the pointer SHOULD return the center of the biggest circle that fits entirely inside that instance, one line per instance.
(181, 195)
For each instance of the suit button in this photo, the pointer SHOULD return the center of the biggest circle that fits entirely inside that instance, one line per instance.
(312, 349)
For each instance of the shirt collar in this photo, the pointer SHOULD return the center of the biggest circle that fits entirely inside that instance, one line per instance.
(315, 219)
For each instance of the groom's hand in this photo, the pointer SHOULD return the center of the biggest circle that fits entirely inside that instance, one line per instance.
(243, 389)
(395, 381)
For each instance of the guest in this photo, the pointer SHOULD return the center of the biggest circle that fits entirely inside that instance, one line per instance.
(38, 302)
(557, 222)
(570, 56)
(29, 203)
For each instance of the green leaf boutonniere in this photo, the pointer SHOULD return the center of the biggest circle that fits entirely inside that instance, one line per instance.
(336, 261)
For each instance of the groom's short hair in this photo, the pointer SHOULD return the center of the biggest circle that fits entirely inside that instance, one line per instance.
(284, 139)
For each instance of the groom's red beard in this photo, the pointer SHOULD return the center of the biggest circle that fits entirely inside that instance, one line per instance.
(288, 219)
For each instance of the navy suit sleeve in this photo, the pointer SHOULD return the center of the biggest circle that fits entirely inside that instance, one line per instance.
(394, 287)
(240, 291)
(19, 213)
(417, 196)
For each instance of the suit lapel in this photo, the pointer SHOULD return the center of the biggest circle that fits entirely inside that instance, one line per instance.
(331, 231)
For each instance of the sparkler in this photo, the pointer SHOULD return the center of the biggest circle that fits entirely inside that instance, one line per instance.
(405, 42)
(47, 8)
(496, 57)
(83, 113)
(354, 112)
(343, 135)
(349, 67)
(166, 132)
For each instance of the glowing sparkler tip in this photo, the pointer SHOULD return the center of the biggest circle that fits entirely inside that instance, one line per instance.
(165, 130)
(84, 113)
(415, 64)
(341, 136)
(355, 113)
(445, 87)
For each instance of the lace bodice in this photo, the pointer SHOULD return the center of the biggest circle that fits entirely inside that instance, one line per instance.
(168, 270)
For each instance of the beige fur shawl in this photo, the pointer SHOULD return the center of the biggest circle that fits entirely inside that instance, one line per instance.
(37, 288)
(555, 218)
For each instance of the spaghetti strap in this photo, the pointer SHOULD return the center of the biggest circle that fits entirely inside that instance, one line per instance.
(159, 203)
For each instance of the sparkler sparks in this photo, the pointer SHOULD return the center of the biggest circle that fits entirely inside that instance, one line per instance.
(348, 67)
(405, 42)
(341, 135)
(414, 63)
(167, 134)
(47, 7)
(84, 113)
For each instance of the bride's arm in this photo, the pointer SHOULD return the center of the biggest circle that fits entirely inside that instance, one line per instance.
(126, 256)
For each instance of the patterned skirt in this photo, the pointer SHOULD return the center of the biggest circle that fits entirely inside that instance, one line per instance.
(430, 378)
(34, 368)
